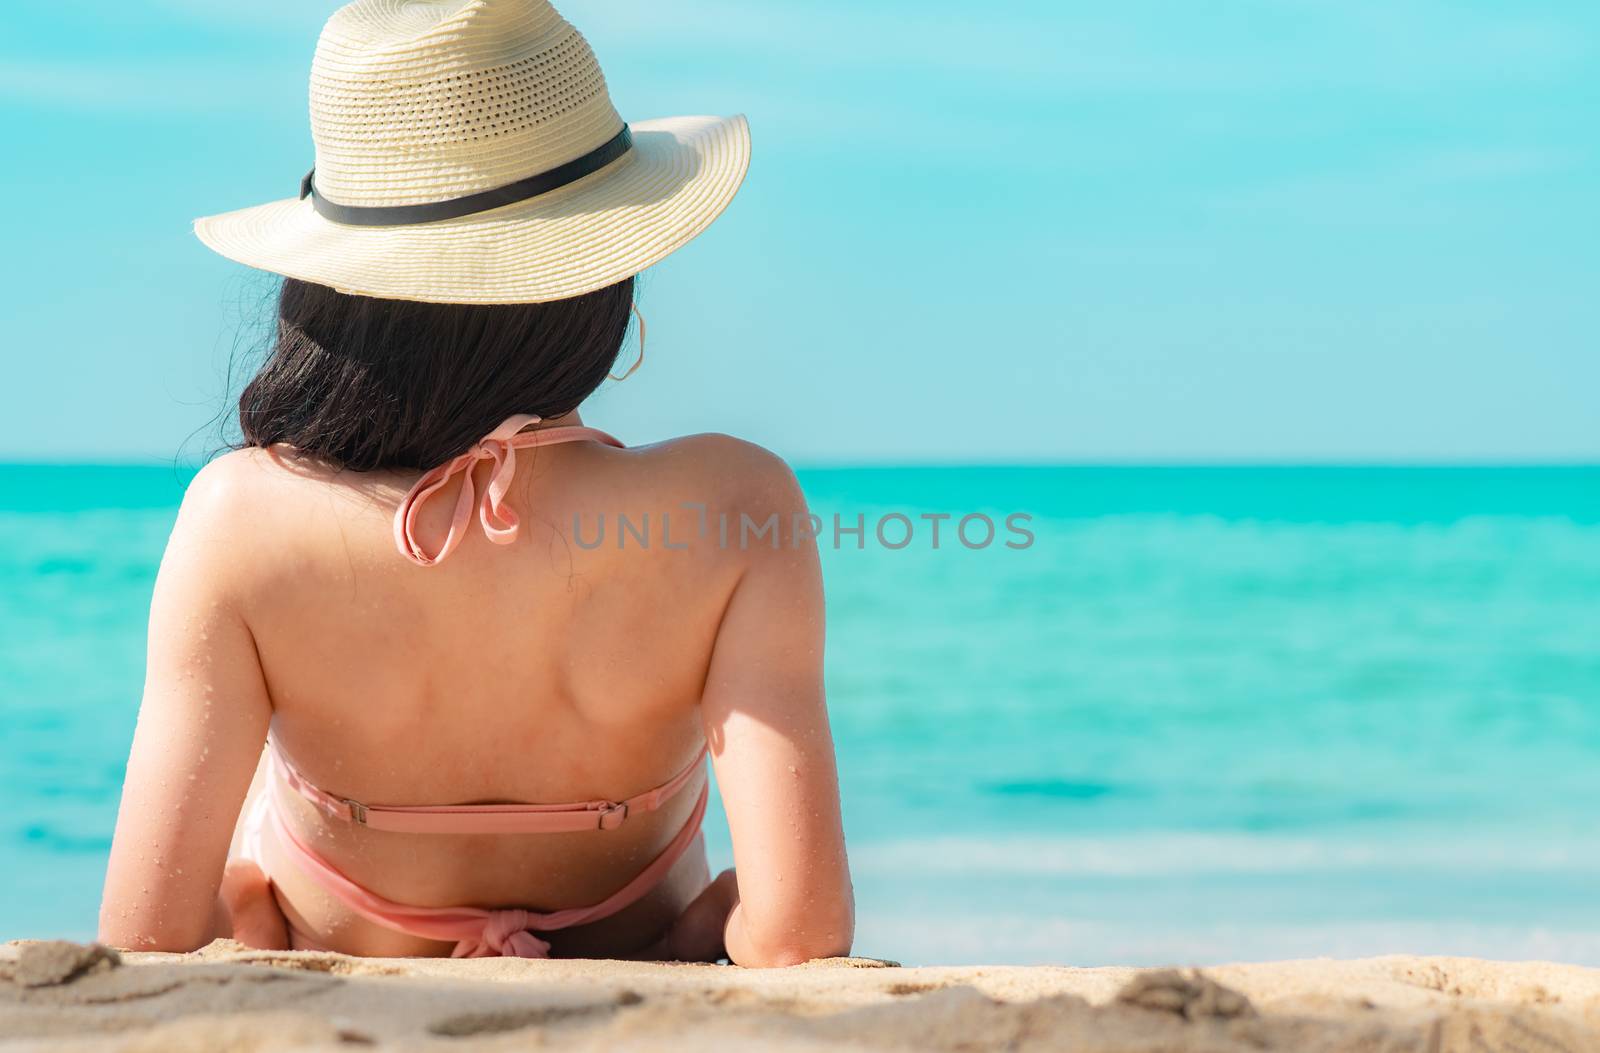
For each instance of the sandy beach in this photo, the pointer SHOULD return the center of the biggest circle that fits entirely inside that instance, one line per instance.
(226, 997)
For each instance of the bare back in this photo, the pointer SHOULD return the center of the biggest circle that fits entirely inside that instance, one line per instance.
(579, 662)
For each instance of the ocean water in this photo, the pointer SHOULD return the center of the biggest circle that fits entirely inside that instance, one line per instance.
(1208, 714)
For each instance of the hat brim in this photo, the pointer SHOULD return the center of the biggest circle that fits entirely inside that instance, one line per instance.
(679, 176)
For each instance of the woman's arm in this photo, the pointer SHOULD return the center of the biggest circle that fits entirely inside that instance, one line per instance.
(767, 723)
(201, 728)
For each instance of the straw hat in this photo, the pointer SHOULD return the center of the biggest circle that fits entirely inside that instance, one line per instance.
(467, 152)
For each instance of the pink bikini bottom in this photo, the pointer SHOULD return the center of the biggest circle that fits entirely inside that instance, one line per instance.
(476, 932)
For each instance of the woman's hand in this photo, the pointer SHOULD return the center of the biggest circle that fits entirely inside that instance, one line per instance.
(247, 910)
(697, 934)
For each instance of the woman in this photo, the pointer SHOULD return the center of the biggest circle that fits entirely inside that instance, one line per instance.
(484, 729)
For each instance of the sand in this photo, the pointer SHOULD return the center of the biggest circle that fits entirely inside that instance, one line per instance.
(227, 997)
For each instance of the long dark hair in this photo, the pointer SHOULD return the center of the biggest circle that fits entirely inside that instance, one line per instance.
(363, 383)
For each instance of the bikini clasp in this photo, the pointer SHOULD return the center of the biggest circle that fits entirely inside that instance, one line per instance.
(609, 809)
(358, 811)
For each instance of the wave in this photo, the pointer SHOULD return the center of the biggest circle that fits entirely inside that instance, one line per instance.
(1179, 853)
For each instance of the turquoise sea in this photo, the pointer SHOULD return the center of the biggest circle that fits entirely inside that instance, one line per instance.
(1210, 713)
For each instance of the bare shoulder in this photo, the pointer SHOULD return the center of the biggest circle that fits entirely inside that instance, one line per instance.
(212, 541)
(245, 504)
(239, 488)
(226, 488)
(742, 502)
(727, 471)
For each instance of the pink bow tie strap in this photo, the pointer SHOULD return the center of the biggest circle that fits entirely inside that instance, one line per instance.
(500, 522)
(505, 935)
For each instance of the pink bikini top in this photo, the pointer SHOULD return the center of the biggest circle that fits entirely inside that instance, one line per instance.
(500, 523)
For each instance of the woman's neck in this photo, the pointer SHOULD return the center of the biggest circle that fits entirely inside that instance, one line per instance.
(566, 420)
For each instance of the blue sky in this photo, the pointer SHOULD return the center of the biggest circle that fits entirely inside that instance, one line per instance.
(1295, 230)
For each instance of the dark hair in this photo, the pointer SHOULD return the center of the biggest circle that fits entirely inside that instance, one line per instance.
(363, 383)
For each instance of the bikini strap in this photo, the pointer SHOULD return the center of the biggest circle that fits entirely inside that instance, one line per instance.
(485, 818)
(499, 520)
